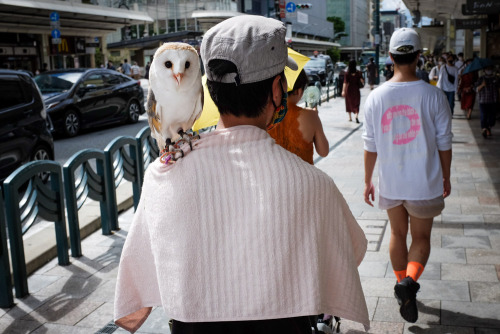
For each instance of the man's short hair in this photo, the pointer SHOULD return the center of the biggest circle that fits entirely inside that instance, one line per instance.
(247, 100)
(405, 59)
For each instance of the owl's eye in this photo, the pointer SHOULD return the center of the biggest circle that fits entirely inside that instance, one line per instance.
(168, 64)
(188, 64)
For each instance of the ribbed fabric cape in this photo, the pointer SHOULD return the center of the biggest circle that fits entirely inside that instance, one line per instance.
(240, 229)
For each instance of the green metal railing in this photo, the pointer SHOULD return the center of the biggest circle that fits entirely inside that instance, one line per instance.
(81, 182)
(90, 173)
(122, 164)
(6, 298)
(26, 198)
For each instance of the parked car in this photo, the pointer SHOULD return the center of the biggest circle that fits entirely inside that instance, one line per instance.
(83, 98)
(320, 69)
(24, 126)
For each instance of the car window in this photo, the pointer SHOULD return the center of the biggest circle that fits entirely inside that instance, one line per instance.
(112, 80)
(12, 92)
(56, 82)
(94, 79)
(315, 63)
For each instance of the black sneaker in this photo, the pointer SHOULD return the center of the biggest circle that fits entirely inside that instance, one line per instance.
(406, 295)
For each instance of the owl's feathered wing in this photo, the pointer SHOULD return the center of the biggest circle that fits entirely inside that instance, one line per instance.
(170, 110)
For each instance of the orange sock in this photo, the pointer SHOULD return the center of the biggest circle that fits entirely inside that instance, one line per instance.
(400, 274)
(414, 270)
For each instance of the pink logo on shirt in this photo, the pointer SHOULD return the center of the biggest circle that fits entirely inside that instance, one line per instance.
(408, 112)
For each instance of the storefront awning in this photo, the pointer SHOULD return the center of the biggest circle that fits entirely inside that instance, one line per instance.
(76, 19)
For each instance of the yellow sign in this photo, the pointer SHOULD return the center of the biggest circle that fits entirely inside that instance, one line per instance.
(63, 46)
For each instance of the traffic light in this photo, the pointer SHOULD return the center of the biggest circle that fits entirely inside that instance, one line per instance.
(304, 5)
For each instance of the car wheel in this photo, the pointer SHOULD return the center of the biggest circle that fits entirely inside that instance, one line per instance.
(71, 123)
(134, 111)
(41, 153)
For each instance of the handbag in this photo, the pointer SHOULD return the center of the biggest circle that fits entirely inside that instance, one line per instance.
(361, 83)
(451, 78)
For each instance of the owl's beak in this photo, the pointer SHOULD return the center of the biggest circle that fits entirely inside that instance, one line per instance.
(178, 78)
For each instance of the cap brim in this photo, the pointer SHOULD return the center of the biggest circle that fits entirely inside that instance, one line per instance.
(291, 64)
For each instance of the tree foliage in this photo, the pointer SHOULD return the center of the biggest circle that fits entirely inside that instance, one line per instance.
(338, 23)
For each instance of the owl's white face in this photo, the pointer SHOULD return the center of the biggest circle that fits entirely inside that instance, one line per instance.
(175, 69)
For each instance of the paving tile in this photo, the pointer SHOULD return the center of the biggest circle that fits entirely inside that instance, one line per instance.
(481, 229)
(468, 272)
(38, 282)
(18, 327)
(436, 329)
(157, 322)
(459, 218)
(447, 229)
(24, 306)
(432, 271)
(483, 256)
(388, 310)
(59, 329)
(456, 313)
(109, 272)
(379, 256)
(444, 290)
(480, 209)
(491, 218)
(99, 317)
(376, 327)
(444, 255)
(487, 331)
(488, 292)
(372, 269)
(103, 293)
(65, 311)
(452, 241)
(378, 287)
(75, 287)
(497, 266)
(80, 267)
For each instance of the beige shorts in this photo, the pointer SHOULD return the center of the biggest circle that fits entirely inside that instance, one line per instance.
(422, 209)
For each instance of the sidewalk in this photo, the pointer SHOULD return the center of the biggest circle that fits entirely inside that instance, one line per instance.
(460, 288)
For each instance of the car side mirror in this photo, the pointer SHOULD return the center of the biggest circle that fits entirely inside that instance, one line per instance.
(84, 89)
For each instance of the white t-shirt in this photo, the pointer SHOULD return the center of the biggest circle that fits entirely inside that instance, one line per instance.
(443, 81)
(406, 123)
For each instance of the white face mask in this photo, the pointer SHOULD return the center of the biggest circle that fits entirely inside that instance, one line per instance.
(488, 72)
(440, 63)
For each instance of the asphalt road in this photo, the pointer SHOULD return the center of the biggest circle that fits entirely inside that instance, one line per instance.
(97, 138)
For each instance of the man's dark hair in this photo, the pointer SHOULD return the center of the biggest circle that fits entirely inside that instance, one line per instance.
(239, 100)
(301, 82)
(405, 59)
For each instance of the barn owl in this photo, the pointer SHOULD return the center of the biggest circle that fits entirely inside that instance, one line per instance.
(175, 96)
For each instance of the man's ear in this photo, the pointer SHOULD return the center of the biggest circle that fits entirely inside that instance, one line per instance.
(277, 90)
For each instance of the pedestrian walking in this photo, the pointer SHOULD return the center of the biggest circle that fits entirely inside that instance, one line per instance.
(110, 66)
(372, 73)
(448, 81)
(353, 81)
(467, 90)
(408, 129)
(135, 71)
(421, 72)
(222, 239)
(126, 68)
(488, 87)
(148, 66)
(434, 73)
(301, 130)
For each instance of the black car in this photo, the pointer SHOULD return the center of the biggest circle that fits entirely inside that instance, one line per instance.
(24, 125)
(320, 69)
(83, 98)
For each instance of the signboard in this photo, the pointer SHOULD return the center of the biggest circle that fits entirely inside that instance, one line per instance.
(92, 42)
(483, 6)
(56, 33)
(470, 23)
(56, 41)
(290, 7)
(54, 16)
(302, 18)
(282, 9)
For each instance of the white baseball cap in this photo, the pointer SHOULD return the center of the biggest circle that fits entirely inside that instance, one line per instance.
(404, 41)
(255, 44)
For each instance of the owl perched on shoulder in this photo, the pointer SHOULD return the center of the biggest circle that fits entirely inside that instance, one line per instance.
(175, 97)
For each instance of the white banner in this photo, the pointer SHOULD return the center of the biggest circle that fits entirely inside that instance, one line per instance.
(302, 18)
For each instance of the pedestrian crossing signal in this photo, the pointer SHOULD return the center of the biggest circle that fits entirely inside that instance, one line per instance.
(304, 6)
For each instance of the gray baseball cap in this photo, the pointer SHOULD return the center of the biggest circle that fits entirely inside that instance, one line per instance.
(255, 44)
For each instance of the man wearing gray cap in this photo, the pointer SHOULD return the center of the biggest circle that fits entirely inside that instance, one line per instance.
(240, 235)
(408, 129)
